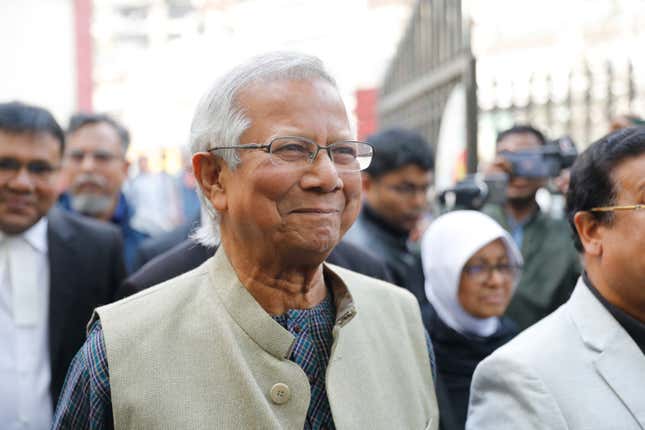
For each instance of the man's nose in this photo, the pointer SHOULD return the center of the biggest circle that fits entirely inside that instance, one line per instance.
(322, 173)
(22, 180)
(87, 163)
(420, 198)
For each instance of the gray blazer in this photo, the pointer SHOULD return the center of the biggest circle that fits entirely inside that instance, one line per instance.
(575, 369)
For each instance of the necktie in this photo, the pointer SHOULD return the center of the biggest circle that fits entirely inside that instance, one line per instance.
(22, 272)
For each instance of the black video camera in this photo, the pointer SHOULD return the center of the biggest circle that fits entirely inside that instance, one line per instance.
(474, 192)
(545, 162)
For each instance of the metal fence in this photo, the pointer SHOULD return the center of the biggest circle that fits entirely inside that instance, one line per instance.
(433, 56)
(579, 102)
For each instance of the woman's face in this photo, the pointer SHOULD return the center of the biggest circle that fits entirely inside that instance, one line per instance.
(487, 281)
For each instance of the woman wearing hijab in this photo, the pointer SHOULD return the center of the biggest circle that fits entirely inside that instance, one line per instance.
(471, 267)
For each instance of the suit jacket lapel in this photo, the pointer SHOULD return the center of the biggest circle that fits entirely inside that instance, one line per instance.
(620, 362)
(622, 366)
(61, 278)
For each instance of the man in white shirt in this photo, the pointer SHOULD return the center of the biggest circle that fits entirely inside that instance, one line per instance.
(54, 269)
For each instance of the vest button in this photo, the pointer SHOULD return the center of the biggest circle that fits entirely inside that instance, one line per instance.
(280, 393)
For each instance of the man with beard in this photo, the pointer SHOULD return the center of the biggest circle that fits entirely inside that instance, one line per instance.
(551, 264)
(95, 168)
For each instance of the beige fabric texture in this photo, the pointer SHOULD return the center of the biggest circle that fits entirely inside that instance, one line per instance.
(198, 352)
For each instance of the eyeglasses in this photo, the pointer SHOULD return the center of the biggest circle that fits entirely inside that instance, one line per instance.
(100, 156)
(483, 272)
(347, 156)
(37, 170)
(617, 208)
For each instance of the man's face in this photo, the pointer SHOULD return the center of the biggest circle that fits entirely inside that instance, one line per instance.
(285, 210)
(623, 241)
(28, 177)
(400, 197)
(95, 167)
(521, 188)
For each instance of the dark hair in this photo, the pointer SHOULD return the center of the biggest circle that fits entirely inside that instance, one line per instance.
(82, 119)
(591, 184)
(521, 129)
(395, 148)
(17, 117)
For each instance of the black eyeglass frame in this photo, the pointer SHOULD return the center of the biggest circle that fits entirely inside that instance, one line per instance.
(487, 270)
(267, 147)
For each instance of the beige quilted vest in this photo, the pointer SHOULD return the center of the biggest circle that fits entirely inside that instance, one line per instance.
(198, 352)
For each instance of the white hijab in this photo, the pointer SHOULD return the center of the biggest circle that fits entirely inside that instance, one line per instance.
(446, 246)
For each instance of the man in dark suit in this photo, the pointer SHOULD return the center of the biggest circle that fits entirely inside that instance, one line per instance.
(190, 254)
(54, 269)
(157, 245)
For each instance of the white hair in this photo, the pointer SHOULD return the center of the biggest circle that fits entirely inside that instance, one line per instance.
(220, 121)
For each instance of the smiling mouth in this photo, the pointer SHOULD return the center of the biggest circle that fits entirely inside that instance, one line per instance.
(19, 204)
(493, 298)
(315, 211)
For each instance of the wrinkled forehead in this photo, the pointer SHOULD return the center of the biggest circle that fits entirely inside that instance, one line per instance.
(99, 135)
(308, 107)
(30, 145)
(628, 177)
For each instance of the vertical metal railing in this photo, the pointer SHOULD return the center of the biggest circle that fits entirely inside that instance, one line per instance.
(432, 58)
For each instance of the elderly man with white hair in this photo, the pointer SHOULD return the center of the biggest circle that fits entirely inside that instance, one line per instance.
(263, 334)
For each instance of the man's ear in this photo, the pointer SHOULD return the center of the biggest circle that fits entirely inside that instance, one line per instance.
(367, 182)
(210, 174)
(590, 232)
(126, 167)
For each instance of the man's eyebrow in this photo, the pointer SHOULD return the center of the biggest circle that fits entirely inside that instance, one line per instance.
(416, 184)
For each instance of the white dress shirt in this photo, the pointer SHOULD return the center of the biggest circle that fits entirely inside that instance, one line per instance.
(25, 371)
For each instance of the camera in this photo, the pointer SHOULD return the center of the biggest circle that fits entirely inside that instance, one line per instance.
(475, 191)
(545, 162)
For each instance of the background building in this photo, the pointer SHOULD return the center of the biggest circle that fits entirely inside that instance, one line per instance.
(567, 67)
(40, 64)
(147, 62)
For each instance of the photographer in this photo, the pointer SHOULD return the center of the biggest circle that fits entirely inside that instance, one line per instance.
(551, 264)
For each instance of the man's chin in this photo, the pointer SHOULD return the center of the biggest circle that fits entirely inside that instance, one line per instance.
(91, 204)
(521, 200)
(17, 224)
(313, 251)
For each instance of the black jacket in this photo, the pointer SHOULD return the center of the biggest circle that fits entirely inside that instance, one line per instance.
(157, 245)
(391, 245)
(457, 356)
(86, 268)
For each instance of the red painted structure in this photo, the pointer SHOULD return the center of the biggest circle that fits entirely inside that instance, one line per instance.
(366, 113)
(83, 40)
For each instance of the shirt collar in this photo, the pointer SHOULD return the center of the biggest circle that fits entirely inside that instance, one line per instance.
(514, 223)
(36, 236)
(631, 325)
(371, 214)
(343, 300)
(122, 211)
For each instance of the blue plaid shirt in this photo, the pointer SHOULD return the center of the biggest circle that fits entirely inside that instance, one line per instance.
(85, 402)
